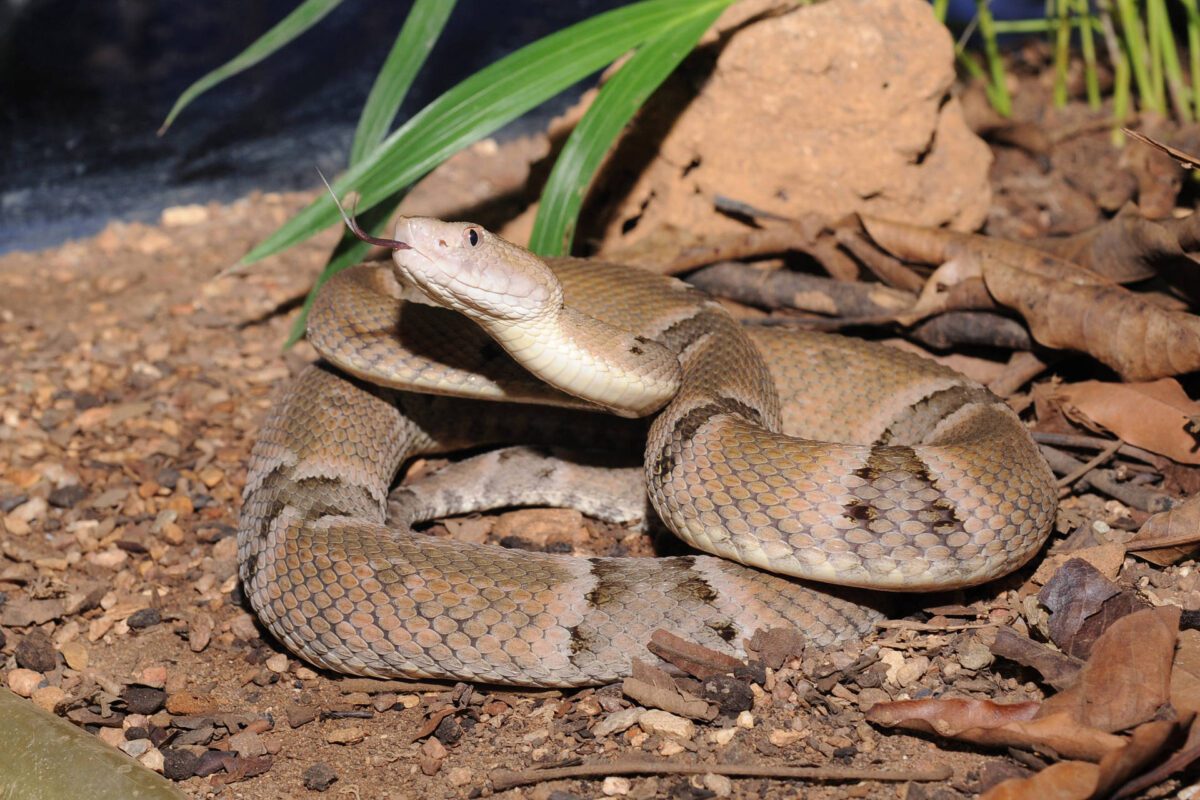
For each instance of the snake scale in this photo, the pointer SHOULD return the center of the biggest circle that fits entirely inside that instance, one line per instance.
(791, 456)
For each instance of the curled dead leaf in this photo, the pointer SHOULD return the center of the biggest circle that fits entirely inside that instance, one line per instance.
(1169, 536)
(1127, 678)
(1065, 305)
(1154, 416)
(1126, 248)
(997, 725)
(1077, 780)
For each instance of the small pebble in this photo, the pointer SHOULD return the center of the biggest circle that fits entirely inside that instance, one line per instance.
(783, 738)
(108, 559)
(156, 676)
(723, 736)
(614, 786)
(9, 502)
(670, 748)
(301, 715)
(666, 724)
(384, 702)
(911, 671)
(248, 745)
(351, 735)
(179, 764)
(48, 697)
(745, 720)
(145, 618)
(28, 512)
(459, 776)
(113, 737)
(212, 761)
(720, 785)
(278, 663)
(68, 496)
(153, 759)
(319, 777)
(24, 681)
(143, 699)
(75, 654)
(617, 722)
(136, 747)
(870, 697)
(974, 654)
(36, 652)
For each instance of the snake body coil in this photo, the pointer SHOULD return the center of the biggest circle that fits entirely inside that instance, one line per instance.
(804, 454)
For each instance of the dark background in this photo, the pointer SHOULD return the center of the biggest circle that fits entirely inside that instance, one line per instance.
(84, 85)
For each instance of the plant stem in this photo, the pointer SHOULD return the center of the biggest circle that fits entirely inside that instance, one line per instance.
(1088, 45)
(1193, 34)
(998, 85)
(1004, 26)
(1135, 44)
(1169, 58)
(1062, 53)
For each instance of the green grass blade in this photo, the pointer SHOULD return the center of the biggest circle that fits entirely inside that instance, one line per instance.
(1193, 36)
(1178, 91)
(1088, 44)
(479, 105)
(307, 14)
(1135, 43)
(421, 30)
(618, 100)
(998, 83)
(1062, 54)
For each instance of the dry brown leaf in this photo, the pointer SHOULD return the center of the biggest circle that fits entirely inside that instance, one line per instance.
(694, 659)
(1084, 604)
(1126, 248)
(1133, 335)
(1128, 676)
(997, 725)
(1068, 780)
(1169, 536)
(1065, 305)
(653, 687)
(1057, 669)
(1106, 558)
(1185, 674)
(1154, 416)
(1077, 780)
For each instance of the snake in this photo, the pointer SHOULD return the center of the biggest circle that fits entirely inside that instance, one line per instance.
(814, 473)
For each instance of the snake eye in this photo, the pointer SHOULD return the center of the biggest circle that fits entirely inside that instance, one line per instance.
(472, 236)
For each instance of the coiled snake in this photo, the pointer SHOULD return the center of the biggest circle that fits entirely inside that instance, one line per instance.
(808, 455)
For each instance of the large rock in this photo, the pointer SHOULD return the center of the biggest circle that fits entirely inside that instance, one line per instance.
(837, 107)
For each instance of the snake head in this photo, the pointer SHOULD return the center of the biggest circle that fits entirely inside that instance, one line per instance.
(467, 268)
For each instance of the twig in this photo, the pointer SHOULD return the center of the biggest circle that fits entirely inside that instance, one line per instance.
(1096, 461)
(888, 269)
(1081, 442)
(926, 627)
(1022, 367)
(506, 779)
(1140, 497)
